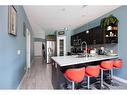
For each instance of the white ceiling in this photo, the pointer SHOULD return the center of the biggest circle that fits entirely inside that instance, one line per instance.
(52, 18)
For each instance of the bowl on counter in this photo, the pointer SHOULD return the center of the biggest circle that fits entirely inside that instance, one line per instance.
(111, 54)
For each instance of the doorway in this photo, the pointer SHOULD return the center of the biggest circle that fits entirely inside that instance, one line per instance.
(38, 48)
(27, 48)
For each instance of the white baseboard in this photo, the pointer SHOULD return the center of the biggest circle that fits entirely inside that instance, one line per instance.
(32, 61)
(22, 81)
(120, 79)
(24, 76)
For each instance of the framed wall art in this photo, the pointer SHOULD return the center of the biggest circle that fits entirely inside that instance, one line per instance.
(12, 20)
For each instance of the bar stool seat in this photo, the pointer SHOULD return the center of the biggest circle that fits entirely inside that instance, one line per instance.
(75, 75)
(105, 65)
(91, 71)
(118, 64)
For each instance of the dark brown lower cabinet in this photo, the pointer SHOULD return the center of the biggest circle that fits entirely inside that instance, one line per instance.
(58, 79)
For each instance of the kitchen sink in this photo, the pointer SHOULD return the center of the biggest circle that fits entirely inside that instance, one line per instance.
(83, 55)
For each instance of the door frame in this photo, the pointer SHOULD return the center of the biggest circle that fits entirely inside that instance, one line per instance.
(28, 44)
(58, 44)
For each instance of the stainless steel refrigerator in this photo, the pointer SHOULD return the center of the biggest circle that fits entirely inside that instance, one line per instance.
(50, 50)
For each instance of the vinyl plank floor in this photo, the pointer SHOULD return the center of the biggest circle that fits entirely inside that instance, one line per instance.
(38, 77)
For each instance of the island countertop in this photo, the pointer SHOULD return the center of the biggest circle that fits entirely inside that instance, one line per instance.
(73, 60)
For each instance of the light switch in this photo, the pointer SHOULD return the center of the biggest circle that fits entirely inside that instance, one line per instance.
(18, 52)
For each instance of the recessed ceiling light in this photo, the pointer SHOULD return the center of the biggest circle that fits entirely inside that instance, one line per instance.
(83, 6)
(87, 31)
(63, 9)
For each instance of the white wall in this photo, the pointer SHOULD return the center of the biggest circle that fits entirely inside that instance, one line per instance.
(39, 34)
(37, 48)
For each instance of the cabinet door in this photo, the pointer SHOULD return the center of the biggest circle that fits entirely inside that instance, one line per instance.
(80, 39)
(85, 37)
(77, 39)
(98, 37)
(94, 36)
(90, 35)
(72, 38)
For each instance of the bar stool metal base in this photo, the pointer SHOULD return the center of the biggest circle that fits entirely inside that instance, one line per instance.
(110, 80)
(76, 86)
(101, 87)
(87, 85)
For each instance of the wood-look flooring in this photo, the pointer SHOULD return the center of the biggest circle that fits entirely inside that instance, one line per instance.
(39, 76)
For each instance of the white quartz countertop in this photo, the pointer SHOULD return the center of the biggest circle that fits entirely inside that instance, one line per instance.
(73, 60)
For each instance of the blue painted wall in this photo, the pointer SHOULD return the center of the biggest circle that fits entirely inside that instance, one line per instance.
(68, 40)
(121, 14)
(12, 65)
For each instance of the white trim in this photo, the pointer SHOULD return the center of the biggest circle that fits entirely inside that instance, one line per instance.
(28, 44)
(58, 44)
(21, 82)
(32, 61)
(120, 79)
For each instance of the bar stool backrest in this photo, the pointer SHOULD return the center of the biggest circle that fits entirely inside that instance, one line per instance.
(76, 74)
(118, 63)
(108, 65)
(93, 71)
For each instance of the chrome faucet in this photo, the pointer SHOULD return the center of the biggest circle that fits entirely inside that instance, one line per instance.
(85, 47)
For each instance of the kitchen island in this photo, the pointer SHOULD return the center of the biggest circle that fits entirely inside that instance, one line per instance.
(61, 63)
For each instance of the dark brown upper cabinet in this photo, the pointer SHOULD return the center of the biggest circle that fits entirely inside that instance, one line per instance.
(96, 35)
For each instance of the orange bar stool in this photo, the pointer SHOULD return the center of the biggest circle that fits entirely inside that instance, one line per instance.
(118, 64)
(91, 71)
(75, 75)
(105, 65)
